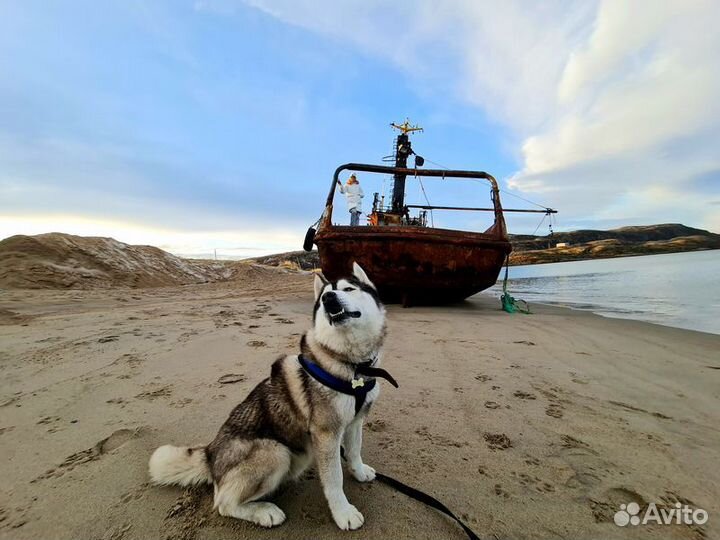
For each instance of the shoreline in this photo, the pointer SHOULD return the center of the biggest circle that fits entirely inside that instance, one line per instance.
(621, 256)
(526, 426)
(678, 290)
(591, 311)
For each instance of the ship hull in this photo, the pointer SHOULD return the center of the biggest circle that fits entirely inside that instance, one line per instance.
(413, 265)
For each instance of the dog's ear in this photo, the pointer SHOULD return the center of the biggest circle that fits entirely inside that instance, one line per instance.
(319, 283)
(359, 273)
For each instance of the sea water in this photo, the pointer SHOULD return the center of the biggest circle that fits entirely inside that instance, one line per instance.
(674, 289)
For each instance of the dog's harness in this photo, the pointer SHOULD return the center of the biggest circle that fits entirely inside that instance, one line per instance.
(359, 387)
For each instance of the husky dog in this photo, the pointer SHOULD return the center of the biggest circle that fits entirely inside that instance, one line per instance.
(296, 416)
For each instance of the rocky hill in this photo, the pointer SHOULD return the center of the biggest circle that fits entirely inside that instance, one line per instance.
(627, 235)
(302, 260)
(625, 241)
(56, 261)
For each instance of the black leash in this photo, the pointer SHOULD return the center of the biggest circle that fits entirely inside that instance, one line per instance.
(422, 497)
(366, 369)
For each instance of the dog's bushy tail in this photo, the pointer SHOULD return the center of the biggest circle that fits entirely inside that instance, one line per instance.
(179, 465)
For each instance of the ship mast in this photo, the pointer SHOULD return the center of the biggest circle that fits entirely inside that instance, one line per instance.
(403, 149)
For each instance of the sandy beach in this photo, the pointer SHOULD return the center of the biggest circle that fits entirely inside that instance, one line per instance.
(529, 427)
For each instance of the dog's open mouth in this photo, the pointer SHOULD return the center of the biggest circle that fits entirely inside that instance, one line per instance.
(342, 315)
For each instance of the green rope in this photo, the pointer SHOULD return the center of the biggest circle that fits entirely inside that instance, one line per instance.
(510, 304)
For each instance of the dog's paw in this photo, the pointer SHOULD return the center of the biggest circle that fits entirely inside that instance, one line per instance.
(364, 473)
(348, 518)
(267, 514)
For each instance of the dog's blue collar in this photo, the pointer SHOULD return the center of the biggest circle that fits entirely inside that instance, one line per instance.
(359, 387)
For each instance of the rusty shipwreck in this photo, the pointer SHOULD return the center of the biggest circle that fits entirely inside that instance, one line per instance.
(410, 261)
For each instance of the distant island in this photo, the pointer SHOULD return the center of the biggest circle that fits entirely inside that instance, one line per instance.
(570, 246)
(622, 242)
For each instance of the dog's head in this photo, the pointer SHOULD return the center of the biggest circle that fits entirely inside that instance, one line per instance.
(348, 314)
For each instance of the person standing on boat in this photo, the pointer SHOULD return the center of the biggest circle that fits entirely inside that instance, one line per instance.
(354, 195)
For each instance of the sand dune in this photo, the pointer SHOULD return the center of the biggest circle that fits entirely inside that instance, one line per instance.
(64, 261)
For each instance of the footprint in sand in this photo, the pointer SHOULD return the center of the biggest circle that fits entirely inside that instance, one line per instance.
(131, 360)
(135, 494)
(231, 378)
(554, 411)
(524, 395)
(571, 443)
(190, 513)
(638, 409)
(113, 442)
(187, 335)
(534, 482)
(671, 499)
(438, 440)
(13, 518)
(118, 401)
(492, 405)
(555, 408)
(180, 403)
(376, 425)
(256, 343)
(585, 463)
(603, 509)
(152, 395)
(500, 492)
(497, 441)
(52, 422)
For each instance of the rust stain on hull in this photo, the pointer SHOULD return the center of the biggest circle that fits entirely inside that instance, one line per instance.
(411, 265)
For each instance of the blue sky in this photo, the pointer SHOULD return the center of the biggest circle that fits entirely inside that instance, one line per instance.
(196, 125)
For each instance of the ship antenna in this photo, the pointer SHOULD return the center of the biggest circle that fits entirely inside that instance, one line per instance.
(403, 150)
(406, 127)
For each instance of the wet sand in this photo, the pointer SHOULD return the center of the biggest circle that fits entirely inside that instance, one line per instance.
(533, 426)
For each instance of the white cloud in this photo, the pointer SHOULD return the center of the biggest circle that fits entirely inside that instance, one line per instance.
(614, 104)
(639, 115)
(638, 83)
